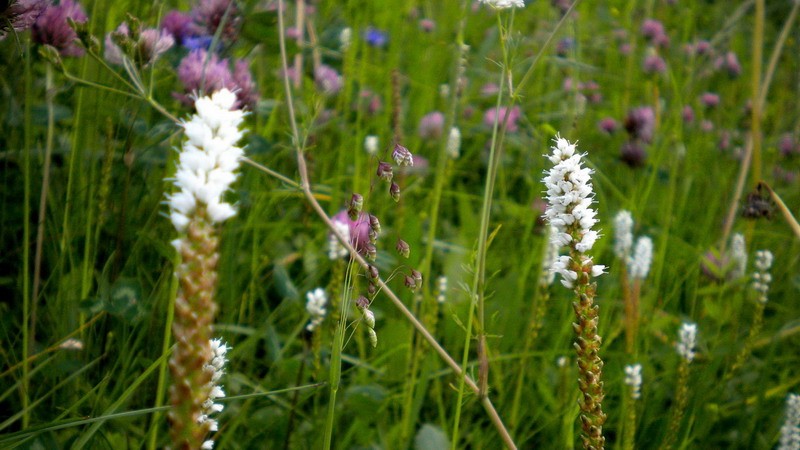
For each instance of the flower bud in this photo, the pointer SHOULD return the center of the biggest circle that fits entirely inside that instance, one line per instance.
(373, 337)
(373, 236)
(372, 289)
(409, 282)
(394, 191)
(401, 155)
(362, 302)
(372, 252)
(373, 272)
(417, 277)
(369, 318)
(402, 248)
(355, 206)
(385, 171)
(375, 224)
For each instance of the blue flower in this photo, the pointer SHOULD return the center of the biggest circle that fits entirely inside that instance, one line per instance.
(376, 37)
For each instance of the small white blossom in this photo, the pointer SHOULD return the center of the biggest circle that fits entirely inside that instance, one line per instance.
(790, 430)
(623, 234)
(371, 144)
(335, 248)
(633, 378)
(762, 277)
(561, 361)
(345, 37)
(217, 368)
(550, 257)
(687, 340)
(72, 344)
(504, 4)
(442, 289)
(208, 160)
(639, 263)
(454, 143)
(738, 255)
(315, 305)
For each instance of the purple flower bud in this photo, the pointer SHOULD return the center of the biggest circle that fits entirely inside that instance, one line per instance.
(207, 16)
(152, 44)
(633, 154)
(355, 206)
(362, 302)
(489, 90)
(375, 224)
(788, 146)
(385, 171)
(652, 29)
(491, 113)
(709, 99)
(328, 79)
(625, 48)
(51, 27)
(402, 248)
(373, 272)
(687, 114)
(394, 191)
(640, 123)
(730, 63)
(20, 15)
(372, 252)
(417, 277)
(430, 126)
(372, 289)
(409, 282)
(564, 46)
(608, 125)
(402, 157)
(178, 24)
(707, 126)
(292, 33)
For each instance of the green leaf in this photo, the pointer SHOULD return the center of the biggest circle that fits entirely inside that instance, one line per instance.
(431, 437)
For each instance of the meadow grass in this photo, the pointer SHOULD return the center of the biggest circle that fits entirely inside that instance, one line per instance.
(105, 276)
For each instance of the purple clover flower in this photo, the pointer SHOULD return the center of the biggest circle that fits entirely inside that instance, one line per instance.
(654, 64)
(51, 27)
(640, 123)
(217, 76)
(328, 79)
(178, 24)
(608, 125)
(514, 115)
(709, 99)
(243, 79)
(431, 124)
(20, 15)
(207, 16)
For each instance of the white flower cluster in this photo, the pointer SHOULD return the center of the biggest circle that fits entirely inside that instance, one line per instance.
(550, 257)
(335, 248)
(687, 340)
(623, 234)
(790, 431)
(738, 255)
(217, 368)
(639, 263)
(570, 196)
(345, 37)
(441, 294)
(504, 4)
(315, 305)
(633, 378)
(207, 160)
(454, 143)
(371, 144)
(762, 277)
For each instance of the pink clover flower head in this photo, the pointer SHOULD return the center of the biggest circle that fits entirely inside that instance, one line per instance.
(51, 27)
(687, 114)
(640, 123)
(709, 99)
(178, 24)
(216, 76)
(513, 116)
(20, 15)
(247, 91)
(207, 17)
(654, 64)
(152, 44)
(608, 125)
(328, 79)
(431, 124)
(729, 63)
(359, 229)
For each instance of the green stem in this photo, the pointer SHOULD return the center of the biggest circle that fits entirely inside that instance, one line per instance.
(26, 236)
